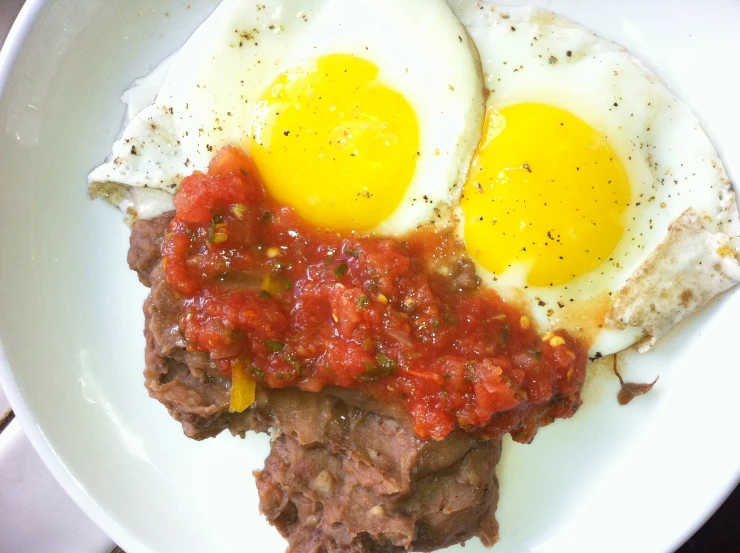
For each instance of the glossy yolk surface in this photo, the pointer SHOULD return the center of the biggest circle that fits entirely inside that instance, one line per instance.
(545, 191)
(335, 144)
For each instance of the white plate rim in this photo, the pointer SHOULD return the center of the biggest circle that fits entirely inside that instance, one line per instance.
(62, 473)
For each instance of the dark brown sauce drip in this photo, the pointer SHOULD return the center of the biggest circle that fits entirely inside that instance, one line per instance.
(631, 390)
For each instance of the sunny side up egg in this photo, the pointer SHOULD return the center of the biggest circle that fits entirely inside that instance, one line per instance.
(594, 199)
(362, 115)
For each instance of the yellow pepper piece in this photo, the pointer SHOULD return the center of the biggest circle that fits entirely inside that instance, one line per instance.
(270, 285)
(242, 388)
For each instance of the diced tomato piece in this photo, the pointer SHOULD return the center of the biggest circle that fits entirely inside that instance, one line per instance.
(192, 202)
(432, 422)
(492, 393)
(231, 160)
(232, 180)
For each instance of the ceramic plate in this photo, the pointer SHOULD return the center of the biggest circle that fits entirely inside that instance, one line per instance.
(639, 478)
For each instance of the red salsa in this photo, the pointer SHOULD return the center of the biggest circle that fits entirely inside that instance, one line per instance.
(306, 307)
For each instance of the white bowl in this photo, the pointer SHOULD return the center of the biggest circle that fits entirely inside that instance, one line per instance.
(637, 478)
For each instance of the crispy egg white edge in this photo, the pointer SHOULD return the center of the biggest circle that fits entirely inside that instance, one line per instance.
(167, 140)
(647, 142)
(687, 269)
(138, 202)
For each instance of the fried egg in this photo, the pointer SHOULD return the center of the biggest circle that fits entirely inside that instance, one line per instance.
(594, 200)
(362, 115)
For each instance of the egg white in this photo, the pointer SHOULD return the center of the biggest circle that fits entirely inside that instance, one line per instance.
(533, 55)
(213, 84)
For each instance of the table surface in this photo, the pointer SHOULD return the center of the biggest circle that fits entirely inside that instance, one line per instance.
(36, 494)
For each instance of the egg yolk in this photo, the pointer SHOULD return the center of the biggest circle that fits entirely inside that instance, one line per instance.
(334, 143)
(545, 191)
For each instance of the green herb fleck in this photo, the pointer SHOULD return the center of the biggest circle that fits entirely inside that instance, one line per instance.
(257, 374)
(371, 373)
(362, 302)
(449, 319)
(274, 346)
(297, 365)
(266, 217)
(215, 220)
(341, 270)
(388, 366)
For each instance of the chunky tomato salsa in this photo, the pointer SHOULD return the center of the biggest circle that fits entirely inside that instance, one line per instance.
(278, 302)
